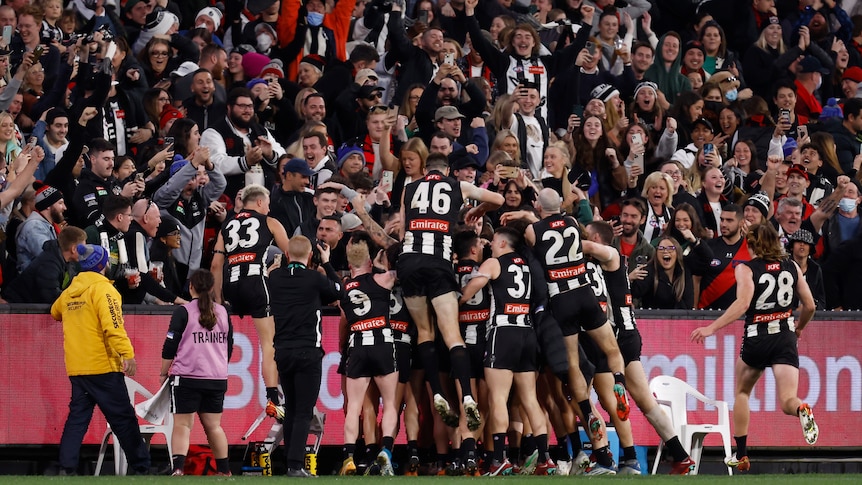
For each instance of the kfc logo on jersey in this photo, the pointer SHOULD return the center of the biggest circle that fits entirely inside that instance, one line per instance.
(773, 267)
(557, 224)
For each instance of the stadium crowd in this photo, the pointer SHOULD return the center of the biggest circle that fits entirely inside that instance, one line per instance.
(181, 135)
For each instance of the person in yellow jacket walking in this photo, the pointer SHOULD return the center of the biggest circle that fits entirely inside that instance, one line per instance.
(97, 352)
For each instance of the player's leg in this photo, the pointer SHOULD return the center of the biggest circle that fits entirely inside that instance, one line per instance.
(412, 395)
(427, 354)
(389, 422)
(499, 384)
(446, 310)
(746, 377)
(787, 384)
(604, 338)
(265, 328)
(638, 386)
(525, 386)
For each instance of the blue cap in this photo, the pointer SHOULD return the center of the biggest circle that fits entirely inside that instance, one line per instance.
(297, 165)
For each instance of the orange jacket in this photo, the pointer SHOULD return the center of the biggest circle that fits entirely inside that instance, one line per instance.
(337, 20)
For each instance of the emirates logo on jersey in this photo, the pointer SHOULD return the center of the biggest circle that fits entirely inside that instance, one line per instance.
(516, 309)
(429, 225)
(241, 258)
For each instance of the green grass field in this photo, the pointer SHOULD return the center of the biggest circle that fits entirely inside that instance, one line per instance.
(647, 480)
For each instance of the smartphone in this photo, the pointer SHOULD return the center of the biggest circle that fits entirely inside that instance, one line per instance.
(590, 46)
(784, 114)
(642, 259)
(708, 148)
(112, 50)
(534, 9)
(139, 177)
(37, 53)
(7, 35)
(801, 132)
(32, 141)
(638, 141)
(509, 172)
(449, 58)
(578, 110)
(169, 140)
(423, 17)
(386, 180)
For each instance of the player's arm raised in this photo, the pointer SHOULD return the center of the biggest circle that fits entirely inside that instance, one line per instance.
(608, 256)
(490, 200)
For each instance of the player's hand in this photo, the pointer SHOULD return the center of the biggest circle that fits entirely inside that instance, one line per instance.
(700, 334)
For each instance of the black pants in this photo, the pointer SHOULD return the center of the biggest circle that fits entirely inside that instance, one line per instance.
(299, 371)
(109, 392)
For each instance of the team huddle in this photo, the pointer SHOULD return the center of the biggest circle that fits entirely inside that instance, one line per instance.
(544, 309)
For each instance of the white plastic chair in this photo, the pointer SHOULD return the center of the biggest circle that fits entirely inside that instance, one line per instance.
(148, 430)
(671, 394)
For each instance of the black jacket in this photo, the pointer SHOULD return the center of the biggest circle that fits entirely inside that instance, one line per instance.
(44, 279)
(297, 310)
(291, 209)
(89, 196)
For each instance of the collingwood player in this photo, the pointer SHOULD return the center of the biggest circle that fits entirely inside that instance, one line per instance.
(512, 349)
(473, 317)
(768, 289)
(365, 311)
(557, 243)
(429, 210)
(239, 269)
(610, 282)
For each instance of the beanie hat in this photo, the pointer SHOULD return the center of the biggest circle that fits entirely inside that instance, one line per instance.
(160, 21)
(253, 63)
(254, 82)
(315, 60)
(603, 92)
(167, 226)
(788, 147)
(275, 67)
(831, 110)
(759, 201)
(693, 44)
(772, 20)
(177, 165)
(347, 150)
(213, 13)
(169, 113)
(46, 196)
(92, 257)
(646, 85)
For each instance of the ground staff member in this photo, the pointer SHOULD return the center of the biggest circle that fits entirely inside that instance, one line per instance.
(98, 352)
(299, 293)
(195, 355)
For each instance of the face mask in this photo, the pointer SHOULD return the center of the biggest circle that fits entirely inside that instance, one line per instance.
(847, 204)
(731, 95)
(314, 19)
(713, 106)
(264, 42)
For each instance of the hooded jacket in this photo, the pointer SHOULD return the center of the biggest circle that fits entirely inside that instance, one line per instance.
(671, 82)
(94, 337)
(190, 214)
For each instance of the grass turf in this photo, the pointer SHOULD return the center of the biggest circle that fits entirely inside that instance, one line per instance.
(800, 479)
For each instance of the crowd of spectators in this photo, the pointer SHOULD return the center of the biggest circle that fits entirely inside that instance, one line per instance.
(135, 125)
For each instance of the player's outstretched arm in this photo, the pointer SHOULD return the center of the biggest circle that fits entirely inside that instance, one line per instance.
(744, 294)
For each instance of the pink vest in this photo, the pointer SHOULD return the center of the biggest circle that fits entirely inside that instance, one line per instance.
(202, 353)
